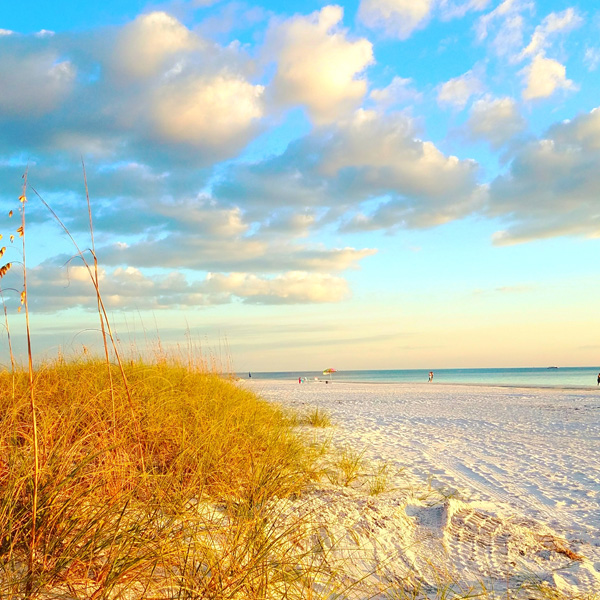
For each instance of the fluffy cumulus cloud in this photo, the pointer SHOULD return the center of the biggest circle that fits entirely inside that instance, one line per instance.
(295, 287)
(397, 18)
(400, 91)
(150, 92)
(144, 46)
(190, 91)
(373, 158)
(208, 111)
(543, 77)
(130, 289)
(495, 120)
(317, 65)
(34, 82)
(457, 92)
(552, 186)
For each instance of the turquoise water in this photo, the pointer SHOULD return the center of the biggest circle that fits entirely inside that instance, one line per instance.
(535, 376)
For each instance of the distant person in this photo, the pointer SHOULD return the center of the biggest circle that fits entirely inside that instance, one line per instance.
(598, 378)
(430, 376)
(299, 379)
(249, 375)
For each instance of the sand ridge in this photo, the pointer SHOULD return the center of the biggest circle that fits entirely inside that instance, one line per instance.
(513, 478)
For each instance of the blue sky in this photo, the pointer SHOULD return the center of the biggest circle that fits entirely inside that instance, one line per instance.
(373, 184)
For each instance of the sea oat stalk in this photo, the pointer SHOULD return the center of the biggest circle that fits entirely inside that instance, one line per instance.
(98, 298)
(36, 460)
(106, 321)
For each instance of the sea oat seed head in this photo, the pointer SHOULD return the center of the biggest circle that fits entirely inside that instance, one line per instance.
(20, 231)
(12, 239)
(22, 199)
(10, 213)
(23, 297)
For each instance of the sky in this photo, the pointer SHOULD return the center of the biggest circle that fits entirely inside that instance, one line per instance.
(374, 184)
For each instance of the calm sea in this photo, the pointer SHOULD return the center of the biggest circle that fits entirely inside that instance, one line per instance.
(535, 376)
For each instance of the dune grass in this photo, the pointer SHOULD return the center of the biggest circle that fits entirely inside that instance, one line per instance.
(188, 521)
(316, 417)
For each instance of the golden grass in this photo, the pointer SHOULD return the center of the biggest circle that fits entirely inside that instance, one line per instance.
(193, 519)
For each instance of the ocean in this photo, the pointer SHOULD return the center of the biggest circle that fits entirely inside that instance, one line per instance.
(575, 377)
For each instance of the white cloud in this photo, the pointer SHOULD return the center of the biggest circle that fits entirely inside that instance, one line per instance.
(289, 288)
(495, 120)
(317, 65)
(290, 223)
(583, 132)
(6, 32)
(555, 22)
(397, 18)
(54, 289)
(419, 186)
(206, 111)
(373, 158)
(459, 90)
(592, 58)
(144, 45)
(543, 77)
(184, 250)
(552, 186)
(505, 25)
(34, 84)
(398, 92)
(451, 10)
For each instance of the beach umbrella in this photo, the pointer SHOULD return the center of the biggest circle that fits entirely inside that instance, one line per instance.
(329, 372)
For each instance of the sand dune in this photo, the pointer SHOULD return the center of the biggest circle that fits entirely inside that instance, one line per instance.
(499, 486)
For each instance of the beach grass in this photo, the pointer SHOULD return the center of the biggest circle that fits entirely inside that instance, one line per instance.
(191, 516)
(316, 417)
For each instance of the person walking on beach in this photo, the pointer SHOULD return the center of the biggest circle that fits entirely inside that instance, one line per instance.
(430, 376)
(598, 378)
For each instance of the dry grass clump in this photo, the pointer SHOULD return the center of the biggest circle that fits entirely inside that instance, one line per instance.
(187, 521)
(316, 418)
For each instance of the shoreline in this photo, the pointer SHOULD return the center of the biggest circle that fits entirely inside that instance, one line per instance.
(514, 470)
(432, 384)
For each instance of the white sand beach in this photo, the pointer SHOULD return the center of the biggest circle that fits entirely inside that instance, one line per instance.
(491, 485)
